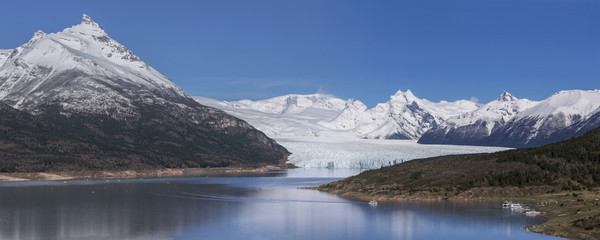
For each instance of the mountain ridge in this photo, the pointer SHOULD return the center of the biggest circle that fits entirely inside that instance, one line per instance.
(405, 116)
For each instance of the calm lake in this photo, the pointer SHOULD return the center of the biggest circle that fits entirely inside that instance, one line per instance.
(241, 206)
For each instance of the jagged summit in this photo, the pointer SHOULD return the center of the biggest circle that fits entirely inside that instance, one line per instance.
(505, 96)
(87, 27)
(405, 97)
(93, 71)
(87, 19)
(39, 33)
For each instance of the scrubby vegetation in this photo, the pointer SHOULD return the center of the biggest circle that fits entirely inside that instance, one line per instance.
(566, 174)
(569, 165)
(158, 139)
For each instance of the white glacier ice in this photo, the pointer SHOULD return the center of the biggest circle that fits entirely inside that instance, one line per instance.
(366, 153)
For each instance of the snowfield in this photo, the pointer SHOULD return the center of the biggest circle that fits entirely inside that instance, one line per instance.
(366, 153)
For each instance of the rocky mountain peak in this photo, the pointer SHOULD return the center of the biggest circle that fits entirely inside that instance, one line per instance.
(87, 27)
(87, 19)
(403, 97)
(506, 97)
(355, 104)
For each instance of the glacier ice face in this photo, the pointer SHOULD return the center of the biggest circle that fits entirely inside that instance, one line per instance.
(366, 153)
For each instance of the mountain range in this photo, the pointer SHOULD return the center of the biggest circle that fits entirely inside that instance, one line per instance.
(81, 84)
(78, 99)
(507, 121)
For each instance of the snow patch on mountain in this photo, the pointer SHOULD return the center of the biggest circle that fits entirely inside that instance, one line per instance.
(286, 116)
(4, 53)
(570, 103)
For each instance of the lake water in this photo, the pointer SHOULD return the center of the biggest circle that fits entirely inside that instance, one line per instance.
(242, 206)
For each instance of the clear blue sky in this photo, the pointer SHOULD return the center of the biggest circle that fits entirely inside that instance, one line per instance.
(367, 50)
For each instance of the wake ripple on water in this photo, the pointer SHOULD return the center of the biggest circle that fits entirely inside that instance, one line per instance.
(232, 198)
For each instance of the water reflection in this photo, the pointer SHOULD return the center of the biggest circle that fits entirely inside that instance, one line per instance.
(249, 207)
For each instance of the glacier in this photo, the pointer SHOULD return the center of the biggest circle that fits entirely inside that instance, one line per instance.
(366, 153)
(301, 124)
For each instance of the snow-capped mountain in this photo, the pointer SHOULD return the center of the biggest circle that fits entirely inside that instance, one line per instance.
(542, 123)
(4, 53)
(293, 104)
(403, 116)
(88, 83)
(49, 61)
(581, 127)
(471, 127)
(506, 121)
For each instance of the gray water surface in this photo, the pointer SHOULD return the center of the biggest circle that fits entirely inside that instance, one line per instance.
(246, 206)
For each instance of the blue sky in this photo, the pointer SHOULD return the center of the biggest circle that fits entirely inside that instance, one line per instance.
(367, 50)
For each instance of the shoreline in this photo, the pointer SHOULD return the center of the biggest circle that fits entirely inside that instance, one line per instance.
(125, 174)
(567, 213)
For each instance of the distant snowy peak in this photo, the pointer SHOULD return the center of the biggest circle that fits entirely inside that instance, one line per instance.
(569, 103)
(544, 122)
(82, 68)
(403, 116)
(292, 103)
(512, 122)
(403, 97)
(472, 127)
(4, 53)
(501, 110)
(506, 97)
(354, 114)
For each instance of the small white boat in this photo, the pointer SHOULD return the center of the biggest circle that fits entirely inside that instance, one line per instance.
(373, 203)
(516, 206)
(532, 213)
(506, 204)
